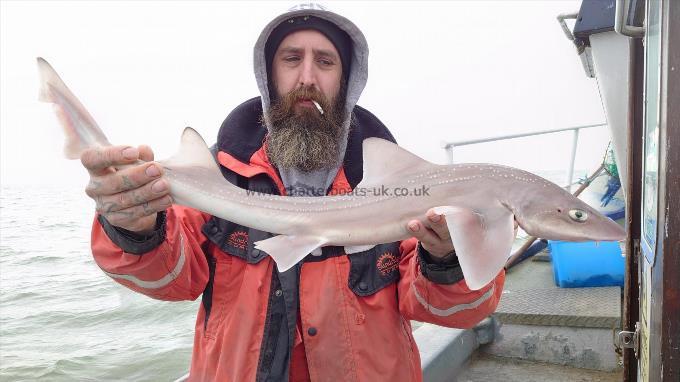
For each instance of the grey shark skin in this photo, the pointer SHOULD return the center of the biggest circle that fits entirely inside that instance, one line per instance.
(479, 201)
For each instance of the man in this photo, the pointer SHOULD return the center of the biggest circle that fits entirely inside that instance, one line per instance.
(333, 316)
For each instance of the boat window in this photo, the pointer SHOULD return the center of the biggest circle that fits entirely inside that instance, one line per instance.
(651, 128)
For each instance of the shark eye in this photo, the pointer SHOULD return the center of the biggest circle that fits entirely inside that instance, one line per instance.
(578, 215)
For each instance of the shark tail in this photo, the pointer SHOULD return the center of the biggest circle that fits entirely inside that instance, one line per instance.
(82, 132)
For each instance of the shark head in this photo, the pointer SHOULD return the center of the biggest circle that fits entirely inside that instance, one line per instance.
(550, 212)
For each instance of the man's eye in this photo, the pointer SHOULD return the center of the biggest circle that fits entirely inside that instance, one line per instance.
(325, 62)
(291, 58)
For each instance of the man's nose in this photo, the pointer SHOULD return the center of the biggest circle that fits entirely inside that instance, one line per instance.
(307, 74)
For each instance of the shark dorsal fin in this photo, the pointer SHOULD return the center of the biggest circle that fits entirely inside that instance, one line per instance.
(193, 152)
(385, 163)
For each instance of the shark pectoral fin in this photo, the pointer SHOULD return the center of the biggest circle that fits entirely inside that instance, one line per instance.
(288, 250)
(357, 248)
(482, 243)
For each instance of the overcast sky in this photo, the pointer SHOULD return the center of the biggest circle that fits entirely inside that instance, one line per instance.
(437, 71)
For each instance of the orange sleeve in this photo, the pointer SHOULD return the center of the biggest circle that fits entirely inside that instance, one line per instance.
(176, 269)
(453, 305)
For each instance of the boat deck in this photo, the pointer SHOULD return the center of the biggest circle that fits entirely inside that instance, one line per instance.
(531, 297)
(484, 367)
(547, 333)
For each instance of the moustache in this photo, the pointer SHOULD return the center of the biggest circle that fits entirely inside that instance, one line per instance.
(286, 104)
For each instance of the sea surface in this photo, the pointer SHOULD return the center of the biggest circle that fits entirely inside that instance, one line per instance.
(61, 318)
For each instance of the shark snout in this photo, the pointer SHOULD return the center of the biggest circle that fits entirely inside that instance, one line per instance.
(612, 231)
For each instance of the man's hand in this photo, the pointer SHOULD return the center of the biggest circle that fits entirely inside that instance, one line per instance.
(434, 234)
(131, 197)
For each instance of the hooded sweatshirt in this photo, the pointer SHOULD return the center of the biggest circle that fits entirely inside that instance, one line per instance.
(298, 181)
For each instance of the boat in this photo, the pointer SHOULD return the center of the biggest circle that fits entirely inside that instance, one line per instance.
(629, 332)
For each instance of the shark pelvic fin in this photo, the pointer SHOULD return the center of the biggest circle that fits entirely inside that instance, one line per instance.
(288, 250)
(384, 162)
(357, 248)
(483, 245)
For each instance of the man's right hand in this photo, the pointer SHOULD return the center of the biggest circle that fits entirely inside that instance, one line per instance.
(129, 198)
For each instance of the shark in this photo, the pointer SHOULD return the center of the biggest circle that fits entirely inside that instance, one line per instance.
(479, 201)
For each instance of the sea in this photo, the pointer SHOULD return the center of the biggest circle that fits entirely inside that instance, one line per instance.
(61, 318)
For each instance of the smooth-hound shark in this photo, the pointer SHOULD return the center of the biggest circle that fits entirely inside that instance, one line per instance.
(478, 201)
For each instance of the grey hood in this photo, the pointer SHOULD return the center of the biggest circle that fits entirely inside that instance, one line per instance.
(355, 84)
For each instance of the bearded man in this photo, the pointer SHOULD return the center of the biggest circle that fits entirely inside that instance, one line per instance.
(333, 316)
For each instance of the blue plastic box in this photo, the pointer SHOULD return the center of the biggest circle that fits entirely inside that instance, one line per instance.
(587, 264)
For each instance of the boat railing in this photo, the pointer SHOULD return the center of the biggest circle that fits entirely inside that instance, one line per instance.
(450, 146)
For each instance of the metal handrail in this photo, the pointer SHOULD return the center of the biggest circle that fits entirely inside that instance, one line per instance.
(621, 21)
(449, 146)
(566, 16)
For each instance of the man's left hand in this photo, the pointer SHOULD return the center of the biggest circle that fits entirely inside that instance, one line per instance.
(433, 234)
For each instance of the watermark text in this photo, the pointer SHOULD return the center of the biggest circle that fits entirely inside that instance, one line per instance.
(375, 191)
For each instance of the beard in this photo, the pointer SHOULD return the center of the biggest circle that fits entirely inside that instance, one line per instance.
(302, 138)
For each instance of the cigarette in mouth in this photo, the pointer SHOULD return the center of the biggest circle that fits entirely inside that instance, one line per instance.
(318, 107)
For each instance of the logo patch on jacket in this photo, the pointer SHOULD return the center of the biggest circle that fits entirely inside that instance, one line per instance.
(387, 263)
(238, 239)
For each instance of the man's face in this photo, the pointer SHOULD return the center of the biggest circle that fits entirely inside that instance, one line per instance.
(306, 67)
(307, 58)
